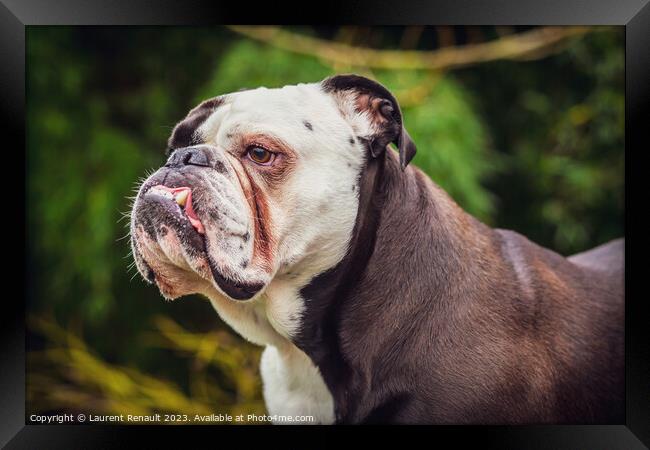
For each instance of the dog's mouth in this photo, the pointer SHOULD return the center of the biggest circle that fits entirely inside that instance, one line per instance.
(173, 207)
(182, 196)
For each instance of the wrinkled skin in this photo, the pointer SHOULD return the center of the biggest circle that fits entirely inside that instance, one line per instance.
(258, 220)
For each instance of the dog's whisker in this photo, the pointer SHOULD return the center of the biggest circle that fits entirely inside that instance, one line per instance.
(123, 237)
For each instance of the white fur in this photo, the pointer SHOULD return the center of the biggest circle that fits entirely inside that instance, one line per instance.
(293, 386)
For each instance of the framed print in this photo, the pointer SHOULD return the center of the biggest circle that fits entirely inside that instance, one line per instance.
(422, 222)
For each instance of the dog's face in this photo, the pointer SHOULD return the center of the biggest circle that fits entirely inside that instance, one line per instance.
(261, 184)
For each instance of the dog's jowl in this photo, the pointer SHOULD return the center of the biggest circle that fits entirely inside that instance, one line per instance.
(377, 298)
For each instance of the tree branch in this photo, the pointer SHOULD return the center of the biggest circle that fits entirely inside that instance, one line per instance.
(528, 45)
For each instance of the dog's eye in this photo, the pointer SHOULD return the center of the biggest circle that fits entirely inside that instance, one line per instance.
(260, 155)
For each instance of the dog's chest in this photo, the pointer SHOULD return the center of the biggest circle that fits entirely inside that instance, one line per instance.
(293, 385)
(294, 390)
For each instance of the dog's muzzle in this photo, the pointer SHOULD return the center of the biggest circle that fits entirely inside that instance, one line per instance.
(186, 217)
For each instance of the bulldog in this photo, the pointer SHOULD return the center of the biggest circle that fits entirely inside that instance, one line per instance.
(378, 299)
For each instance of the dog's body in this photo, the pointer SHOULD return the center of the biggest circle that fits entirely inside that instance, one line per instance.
(378, 299)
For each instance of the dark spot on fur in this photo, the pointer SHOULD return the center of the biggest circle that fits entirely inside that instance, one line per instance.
(244, 263)
(246, 236)
(308, 125)
(351, 140)
(220, 167)
(163, 230)
(184, 133)
(353, 187)
(212, 103)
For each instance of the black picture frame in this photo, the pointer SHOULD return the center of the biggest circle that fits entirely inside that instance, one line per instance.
(15, 15)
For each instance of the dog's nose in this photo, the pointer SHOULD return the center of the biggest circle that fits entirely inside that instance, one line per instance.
(188, 156)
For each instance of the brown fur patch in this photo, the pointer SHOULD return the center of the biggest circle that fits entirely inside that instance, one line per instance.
(435, 326)
(263, 239)
(257, 202)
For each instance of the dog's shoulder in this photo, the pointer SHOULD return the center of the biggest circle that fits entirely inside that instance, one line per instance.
(608, 257)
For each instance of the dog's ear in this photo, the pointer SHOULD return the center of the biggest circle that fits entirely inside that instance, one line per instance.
(365, 98)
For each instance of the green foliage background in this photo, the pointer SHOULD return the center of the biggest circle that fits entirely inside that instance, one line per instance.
(536, 146)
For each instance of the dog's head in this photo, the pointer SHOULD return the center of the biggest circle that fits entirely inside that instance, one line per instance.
(262, 184)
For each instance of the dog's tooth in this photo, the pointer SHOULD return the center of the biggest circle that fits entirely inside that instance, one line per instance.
(181, 197)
